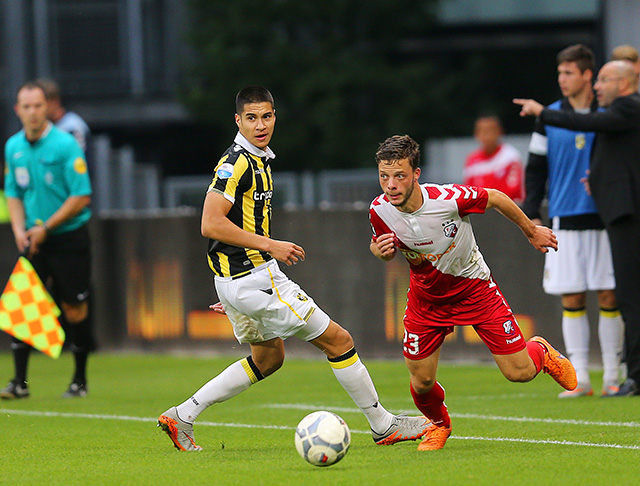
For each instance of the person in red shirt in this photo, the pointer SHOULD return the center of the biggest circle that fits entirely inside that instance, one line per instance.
(495, 164)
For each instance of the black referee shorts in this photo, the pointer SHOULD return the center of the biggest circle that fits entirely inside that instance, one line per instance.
(64, 263)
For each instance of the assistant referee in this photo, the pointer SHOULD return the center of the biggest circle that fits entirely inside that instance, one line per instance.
(48, 194)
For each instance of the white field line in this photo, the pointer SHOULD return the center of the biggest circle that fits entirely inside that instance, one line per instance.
(555, 442)
(312, 407)
(547, 420)
(35, 413)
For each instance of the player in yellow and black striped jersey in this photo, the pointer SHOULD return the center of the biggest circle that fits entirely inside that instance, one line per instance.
(244, 179)
(264, 306)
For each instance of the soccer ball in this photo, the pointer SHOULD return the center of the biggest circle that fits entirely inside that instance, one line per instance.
(322, 438)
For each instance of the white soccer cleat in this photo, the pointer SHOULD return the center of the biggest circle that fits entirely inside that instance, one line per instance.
(179, 431)
(610, 390)
(402, 428)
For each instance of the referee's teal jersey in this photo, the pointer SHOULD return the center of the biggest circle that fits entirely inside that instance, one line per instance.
(243, 177)
(44, 174)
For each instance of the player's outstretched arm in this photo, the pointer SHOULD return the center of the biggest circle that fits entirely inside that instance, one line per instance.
(540, 237)
(383, 246)
(528, 107)
(216, 225)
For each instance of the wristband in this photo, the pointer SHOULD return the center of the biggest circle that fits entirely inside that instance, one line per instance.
(39, 222)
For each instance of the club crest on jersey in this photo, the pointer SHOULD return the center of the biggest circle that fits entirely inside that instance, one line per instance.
(508, 327)
(581, 141)
(302, 297)
(224, 171)
(22, 176)
(449, 228)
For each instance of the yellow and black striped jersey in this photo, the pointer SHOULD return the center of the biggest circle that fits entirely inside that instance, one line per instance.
(245, 180)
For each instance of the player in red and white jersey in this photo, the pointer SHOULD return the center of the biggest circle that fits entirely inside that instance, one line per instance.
(450, 283)
(495, 164)
(437, 240)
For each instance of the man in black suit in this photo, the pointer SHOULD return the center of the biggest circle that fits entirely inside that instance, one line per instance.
(614, 182)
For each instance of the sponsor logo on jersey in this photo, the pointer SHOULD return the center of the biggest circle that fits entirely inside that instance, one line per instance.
(80, 165)
(416, 258)
(261, 196)
(581, 141)
(423, 243)
(450, 229)
(514, 340)
(224, 171)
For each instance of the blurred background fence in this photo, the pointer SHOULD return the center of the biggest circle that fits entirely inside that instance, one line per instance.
(155, 81)
(153, 286)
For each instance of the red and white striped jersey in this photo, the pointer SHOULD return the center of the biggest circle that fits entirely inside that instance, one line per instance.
(437, 240)
(502, 170)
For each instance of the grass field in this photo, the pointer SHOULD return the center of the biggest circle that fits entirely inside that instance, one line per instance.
(503, 433)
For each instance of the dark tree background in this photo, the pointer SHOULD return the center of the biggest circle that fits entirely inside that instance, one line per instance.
(346, 74)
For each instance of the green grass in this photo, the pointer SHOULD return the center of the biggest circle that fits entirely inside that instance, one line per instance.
(110, 436)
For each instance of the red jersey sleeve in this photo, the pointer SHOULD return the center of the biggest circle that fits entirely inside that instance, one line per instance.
(378, 226)
(471, 199)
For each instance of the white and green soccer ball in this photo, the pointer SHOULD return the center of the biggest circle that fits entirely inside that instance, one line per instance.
(322, 438)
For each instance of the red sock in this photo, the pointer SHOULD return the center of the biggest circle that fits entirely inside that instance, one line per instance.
(431, 404)
(536, 353)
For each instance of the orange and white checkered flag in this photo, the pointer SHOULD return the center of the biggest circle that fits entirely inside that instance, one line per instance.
(28, 312)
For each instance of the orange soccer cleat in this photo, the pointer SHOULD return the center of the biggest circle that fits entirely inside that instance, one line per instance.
(557, 365)
(435, 438)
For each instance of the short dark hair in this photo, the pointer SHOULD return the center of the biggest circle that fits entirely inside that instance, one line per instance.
(253, 94)
(397, 148)
(490, 116)
(578, 53)
(31, 85)
(50, 87)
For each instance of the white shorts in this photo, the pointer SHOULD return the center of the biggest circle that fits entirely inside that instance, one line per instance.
(265, 304)
(582, 262)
